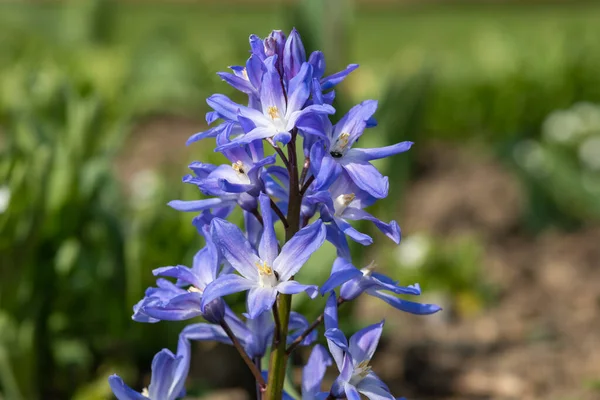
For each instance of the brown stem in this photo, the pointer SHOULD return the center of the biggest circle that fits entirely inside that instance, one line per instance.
(277, 332)
(280, 152)
(236, 343)
(306, 185)
(279, 214)
(308, 330)
(305, 170)
(258, 216)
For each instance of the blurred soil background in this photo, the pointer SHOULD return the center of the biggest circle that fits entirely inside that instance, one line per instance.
(499, 199)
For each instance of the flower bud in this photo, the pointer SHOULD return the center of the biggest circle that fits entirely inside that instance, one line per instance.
(294, 55)
(214, 311)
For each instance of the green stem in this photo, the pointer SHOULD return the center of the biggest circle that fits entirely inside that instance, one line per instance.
(279, 356)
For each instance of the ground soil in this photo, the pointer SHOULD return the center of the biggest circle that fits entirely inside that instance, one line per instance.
(540, 338)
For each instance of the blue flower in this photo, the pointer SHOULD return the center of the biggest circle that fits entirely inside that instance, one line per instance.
(268, 273)
(352, 358)
(180, 301)
(356, 281)
(313, 373)
(255, 335)
(237, 183)
(169, 372)
(335, 152)
(345, 201)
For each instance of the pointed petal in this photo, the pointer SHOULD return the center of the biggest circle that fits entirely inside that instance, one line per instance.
(196, 205)
(328, 173)
(271, 91)
(299, 89)
(317, 60)
(122, 391)
(405, 305)
(312, 109)
(333, 80)
(225, 285)
(355, 121)
(373, 391)
(367, 177)
(338, 239)
(351, 392)
(391, 230)
(235, 248)
(364, 342)
(294, 54)
(314, 370)
(299, 249)
(184, 274)
(293, 287)
(163, 368)
(355, 235)
(205, 332)
(268, 248)
(238, 83)
(179, 308)
(260, 299)
(338, 278)
(255, 134)
(379, 152)
(222, 104)
(231, 187)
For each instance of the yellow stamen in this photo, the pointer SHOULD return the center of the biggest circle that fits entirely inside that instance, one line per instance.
(263, 268)
(343, 139)
(273, 112)
(145, 392)
(238, 167)
(194, 289)
(245, 74)
(348, 198)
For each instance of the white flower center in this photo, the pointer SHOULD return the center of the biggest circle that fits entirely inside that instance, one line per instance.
(342, 202)
(339, 147)
(266, 275)
(360, 372)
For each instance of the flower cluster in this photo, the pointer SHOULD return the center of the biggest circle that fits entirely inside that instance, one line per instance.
(314, 199)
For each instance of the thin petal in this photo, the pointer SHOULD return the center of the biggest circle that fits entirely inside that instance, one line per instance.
(293, 287)
(314, 370)
(329, 171)
(196, 205)
(260, 299)
(367, 177)
(222, 104)
(205, 332)
(225, 285)
(338, 278)
(405, 305)
(364, 342)
(122, 391)
(351, 392)
(374, 391)
(315, 108)
(317, 60)
(268, 248)
(163, 368)
(271, 91)
(299, 89)
(184, 274)
(333, 80)
(294, 54)
(355, 121)
(299, 249)
(380, 152)
(255, 134)
(235, 248)
(338, 239)
(355, 235)
(238, 83)
(391, 230)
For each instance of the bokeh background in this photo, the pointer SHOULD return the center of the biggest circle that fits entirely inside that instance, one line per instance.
(499, 199)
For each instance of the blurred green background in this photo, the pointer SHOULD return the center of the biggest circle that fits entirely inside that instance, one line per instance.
(499, 200)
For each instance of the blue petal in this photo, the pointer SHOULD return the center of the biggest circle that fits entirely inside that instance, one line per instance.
(196, 205)
(328, 173)
(391, 230)
(336, 78)
(320, 109)
(255, 70)
(294, 55)
(257, 47)
(293, 287)
(222, 104)
(253, 228)
(355, 235)
(405, 305)
(314, 370)
(225, 285)
(206, 262)
(271, 91)
(122, 391)
(210, 133)
(205, 332)
(351, 392)
(338, 239)
(163, 371)
(355, 121)
(268, 248)
(364, 342)
(338, 278)
(230, 187)
(317, 60)
(179, 308)
(380, 152)
(260, 299)
(372, 387)
(235, 248)
(238, 83)
(366, 177)
(299, 89)
(180, 272)
(299, 249)
(337, 337)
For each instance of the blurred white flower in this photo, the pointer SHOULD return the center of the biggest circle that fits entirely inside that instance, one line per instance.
(562, 126)
(144, 187)
(413, 251)
(530, 156)
(4, 198)
(589, 153)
